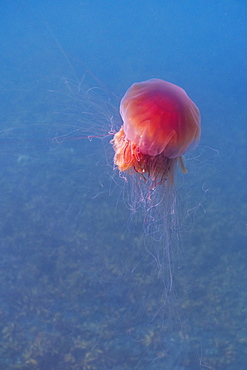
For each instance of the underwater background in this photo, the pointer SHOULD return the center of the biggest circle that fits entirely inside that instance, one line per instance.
(78, 289)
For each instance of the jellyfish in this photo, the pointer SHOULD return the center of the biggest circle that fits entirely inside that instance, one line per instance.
(160, 123)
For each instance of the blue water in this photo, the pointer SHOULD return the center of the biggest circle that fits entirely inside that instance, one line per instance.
(79, 287)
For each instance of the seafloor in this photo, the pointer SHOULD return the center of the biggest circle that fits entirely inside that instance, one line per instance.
(77, 289)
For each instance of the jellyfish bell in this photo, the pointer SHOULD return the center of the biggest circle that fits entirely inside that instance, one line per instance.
(160, 117)
(160, 123)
